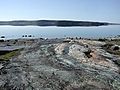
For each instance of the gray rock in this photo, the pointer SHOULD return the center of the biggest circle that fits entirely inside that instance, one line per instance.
(1, 66)
(61, 66)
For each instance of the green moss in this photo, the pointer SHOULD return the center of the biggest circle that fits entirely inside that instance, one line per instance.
(9, 55)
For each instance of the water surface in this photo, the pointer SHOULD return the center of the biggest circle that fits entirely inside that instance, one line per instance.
(59, 32)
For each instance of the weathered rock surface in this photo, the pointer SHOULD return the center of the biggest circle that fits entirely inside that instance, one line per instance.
(62, 66)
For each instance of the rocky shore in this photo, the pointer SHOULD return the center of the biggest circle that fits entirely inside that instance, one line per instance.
(61, 64)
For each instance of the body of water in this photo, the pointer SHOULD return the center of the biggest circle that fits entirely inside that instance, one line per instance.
(59, 32)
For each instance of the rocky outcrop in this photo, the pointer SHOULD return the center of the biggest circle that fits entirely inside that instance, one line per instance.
(62, 66)
(78, 52)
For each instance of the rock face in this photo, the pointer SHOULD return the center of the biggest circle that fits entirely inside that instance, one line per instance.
(62, 66)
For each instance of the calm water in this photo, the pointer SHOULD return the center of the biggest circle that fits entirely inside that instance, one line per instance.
(58, 32)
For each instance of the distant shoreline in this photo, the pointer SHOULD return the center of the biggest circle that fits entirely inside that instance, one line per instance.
(58, 23)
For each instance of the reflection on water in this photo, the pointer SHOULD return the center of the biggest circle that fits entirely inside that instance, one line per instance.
(57, 32)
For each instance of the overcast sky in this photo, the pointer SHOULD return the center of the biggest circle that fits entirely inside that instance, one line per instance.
(92, 10)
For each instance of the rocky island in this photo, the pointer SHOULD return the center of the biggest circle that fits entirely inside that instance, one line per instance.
(60, 64)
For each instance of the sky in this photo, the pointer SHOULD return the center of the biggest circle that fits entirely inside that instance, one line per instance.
(88, 10)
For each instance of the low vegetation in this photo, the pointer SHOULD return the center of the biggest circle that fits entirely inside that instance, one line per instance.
(9, 55)
(115, 41)
(108, 48)
(111, 43)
